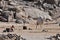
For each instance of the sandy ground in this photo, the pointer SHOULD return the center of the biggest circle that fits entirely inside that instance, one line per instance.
(32, 34)
(28, 35)
(36, 36)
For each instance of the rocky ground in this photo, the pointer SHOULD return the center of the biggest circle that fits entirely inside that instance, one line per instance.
(30, 34)
(20, 11)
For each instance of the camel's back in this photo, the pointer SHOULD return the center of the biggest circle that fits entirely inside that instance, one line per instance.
(39, 21)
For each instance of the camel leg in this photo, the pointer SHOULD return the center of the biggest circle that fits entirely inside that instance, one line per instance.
(36, 26)
(41, 27)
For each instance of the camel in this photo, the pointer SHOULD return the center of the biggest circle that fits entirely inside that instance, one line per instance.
(39, 22)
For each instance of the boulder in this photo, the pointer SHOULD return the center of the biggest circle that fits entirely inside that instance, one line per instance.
(49, 1)
(35, 13)
(3, 19)
(9, 37)
(20, 21)
(48, 6)
(57, 2)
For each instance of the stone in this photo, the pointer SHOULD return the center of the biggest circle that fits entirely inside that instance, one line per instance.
(21, 9)
(3, 19)
(19, 21)
(33, 13)
(9, 37)
(49, 1)
(48, 6)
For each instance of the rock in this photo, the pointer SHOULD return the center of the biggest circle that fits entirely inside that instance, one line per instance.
(3, 19)
(9, 37)
(59, 3)
(48, 6)
(17, 37)
(49, 1)
(11, 8)
(20, 15)
(12, 3)
(19, 21)
(33, 13)
(3, 37)
(1, 10)
(21, 9)
(29, 0)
